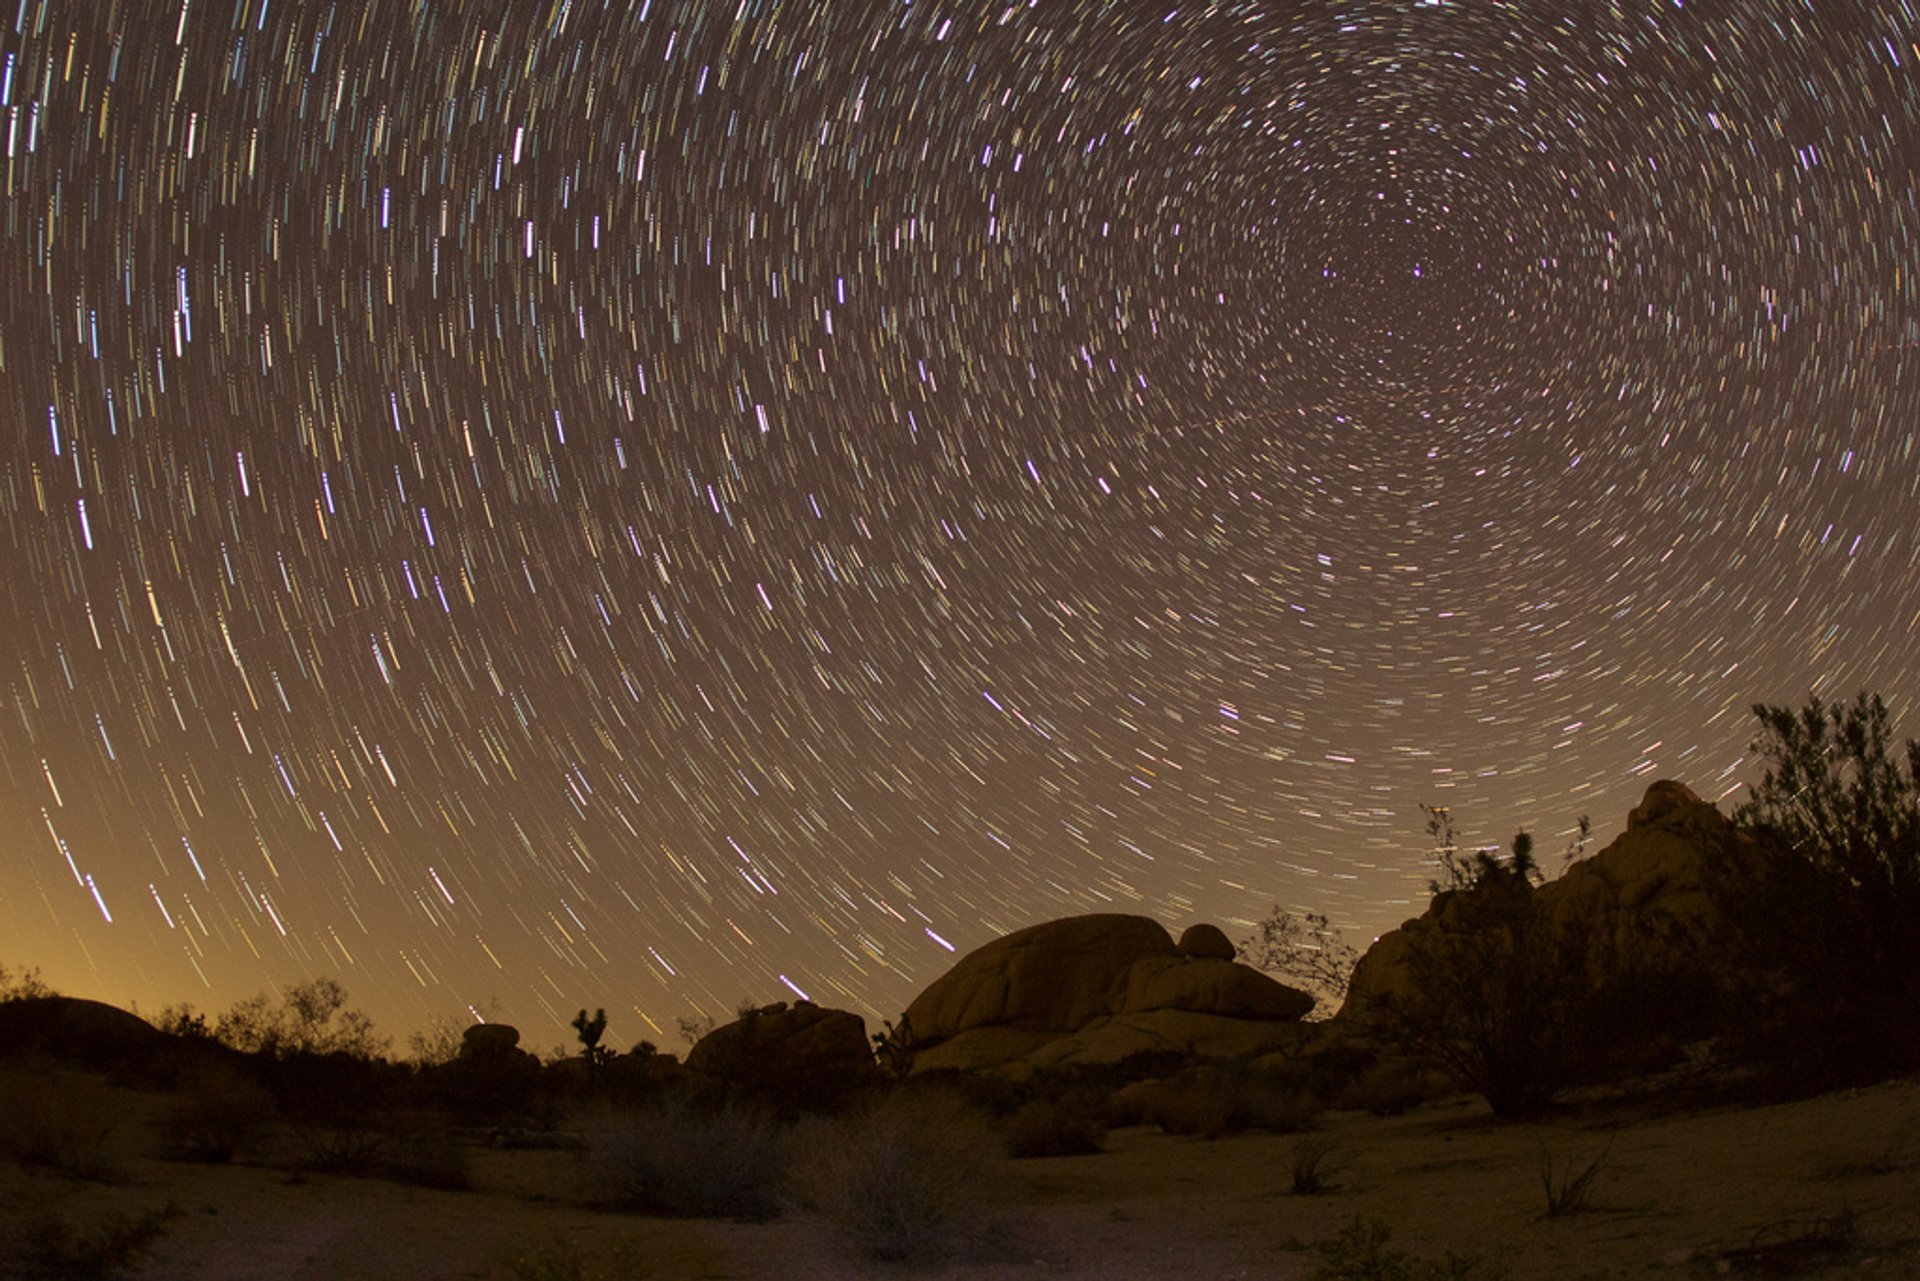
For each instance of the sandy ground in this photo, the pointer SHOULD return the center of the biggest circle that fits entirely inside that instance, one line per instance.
(1684, 1195)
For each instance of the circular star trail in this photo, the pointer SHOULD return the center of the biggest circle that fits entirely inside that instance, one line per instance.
(642, 504)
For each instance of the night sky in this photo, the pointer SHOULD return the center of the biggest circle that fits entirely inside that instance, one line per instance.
(527, 505)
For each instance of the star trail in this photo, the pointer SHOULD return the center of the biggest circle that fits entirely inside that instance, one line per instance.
(530, 504)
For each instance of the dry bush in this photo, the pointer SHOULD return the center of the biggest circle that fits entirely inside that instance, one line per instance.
(909, 1180)
(218, 1113)
(1065, 1126)
(675, 1159)
(58, 1120)
(1567, 1184)
(46, 1245)
(424, 1149)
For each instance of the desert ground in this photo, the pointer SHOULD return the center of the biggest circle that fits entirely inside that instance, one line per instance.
(1817, 1188)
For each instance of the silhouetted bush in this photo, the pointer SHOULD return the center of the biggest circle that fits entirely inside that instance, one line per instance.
(674, 1158)
(1825, 925)
(311, 1018)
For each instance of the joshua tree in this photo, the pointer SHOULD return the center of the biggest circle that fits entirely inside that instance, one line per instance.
(590, 1030)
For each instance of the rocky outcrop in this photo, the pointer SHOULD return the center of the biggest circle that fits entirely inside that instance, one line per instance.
(483, 1040)
(791, 1057)
(1644, 904)
(1094, 989)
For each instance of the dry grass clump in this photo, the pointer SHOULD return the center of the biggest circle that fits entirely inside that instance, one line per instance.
(909, 1180)
(1567, 1184)
(1359, 1252)
(1316, 1163)
(673, 1158)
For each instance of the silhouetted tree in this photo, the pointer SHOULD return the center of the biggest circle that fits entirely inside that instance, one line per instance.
(590, 1031)
(310, 1018)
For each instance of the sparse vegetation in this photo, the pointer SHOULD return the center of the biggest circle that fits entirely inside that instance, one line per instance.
(1359, 1252)
(909, 1180)
(310, 1018)
(558, 1259)
(62, 1121)
(1316, 1163)
(22, 985)
(51, 1246)
(1567, 1183)
(1066, 1125)
(1305, 950)
(672, 1158)
(217, 1113)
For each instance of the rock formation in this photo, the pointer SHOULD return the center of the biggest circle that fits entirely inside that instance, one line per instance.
(1094, 989)
(796, 1057)
(1644, 906)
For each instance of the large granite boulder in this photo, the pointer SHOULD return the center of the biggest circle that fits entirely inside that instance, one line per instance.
(484, 1040)
(1208, 941)
(1049, 977)
(1094, 989)
(798, 1057)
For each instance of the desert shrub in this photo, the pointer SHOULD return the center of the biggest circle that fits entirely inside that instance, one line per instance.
(910, 1179)
(1500, 997)
(423, 1149)
(674, 1158)
(1359, 1252)
(1315, 1163)
(1305, 951)
(51, 1246)
(217, 1113)
(57, 1120)
(22, 985)
(1825, 926)
(1066, 1126)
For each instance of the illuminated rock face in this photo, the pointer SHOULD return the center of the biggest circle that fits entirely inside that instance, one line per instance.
(1093, 989)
